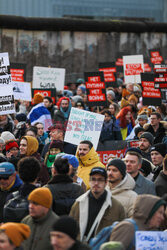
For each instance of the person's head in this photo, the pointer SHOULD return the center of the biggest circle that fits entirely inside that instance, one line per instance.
(146, 141)
(55, 147)
(80, 105)
(29, 168)
(7, 174)
(98, 181)
(38, 98)
(139, 131)
(73, 163)
(2, 144)
(81, 90)
(158, 152)
(40, 128)
(133, 161)
(107, 115)
(142, 119)
(28, 145)
(20, 118)
(47, 101)
(64, 104)
(60, 166)
(40, 201)
(32, 131)
(64, 233)
(7, 136)
(110, 95)
(84, 147)
(12, 149)
(146, 167)
(12, 235)
(155, 119)
(56, 132)
(116, 171)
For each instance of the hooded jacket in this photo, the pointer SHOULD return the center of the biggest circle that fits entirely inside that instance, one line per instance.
(124, 231)
(124, 193)
(159, 134)
(86, 163)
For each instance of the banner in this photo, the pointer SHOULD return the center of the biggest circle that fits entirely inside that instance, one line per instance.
(109, 71)
(18, 72)
(95, 87)
(151, 96)
(47, 78)
(7, 105)
(133, 67)
(5, 76)
(22, 91)
(83, 125)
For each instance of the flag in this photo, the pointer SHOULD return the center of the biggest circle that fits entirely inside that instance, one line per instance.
(39, 113)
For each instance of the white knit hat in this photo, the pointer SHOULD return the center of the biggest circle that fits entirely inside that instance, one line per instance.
(7, 136)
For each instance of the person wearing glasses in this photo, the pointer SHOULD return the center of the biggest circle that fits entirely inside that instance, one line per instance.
(98, 208)
(9, 182)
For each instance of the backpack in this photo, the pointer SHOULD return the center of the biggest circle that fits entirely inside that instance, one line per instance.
(16, 208)
(104, 235)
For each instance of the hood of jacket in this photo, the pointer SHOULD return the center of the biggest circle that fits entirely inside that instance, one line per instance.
(127, 183)
(89, 159)
(32, 144)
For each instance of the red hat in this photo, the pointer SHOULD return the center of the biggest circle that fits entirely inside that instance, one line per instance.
(11, 144)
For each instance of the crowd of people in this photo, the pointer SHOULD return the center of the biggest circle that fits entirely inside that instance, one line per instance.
(57, 195)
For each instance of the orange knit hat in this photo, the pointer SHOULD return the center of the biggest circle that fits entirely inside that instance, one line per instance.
(38, 98)
(41, 196)
(16, 232)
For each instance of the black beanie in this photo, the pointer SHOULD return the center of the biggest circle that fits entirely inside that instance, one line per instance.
(118, 164)
(67, 225)
(148, 136)
(160, 148)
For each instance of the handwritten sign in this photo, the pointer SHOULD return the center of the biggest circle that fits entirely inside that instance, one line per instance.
(83, 125)
(151, 240)
(5, 76)
(22, 91)
(46, 78)
(6, 100)
(133, 67)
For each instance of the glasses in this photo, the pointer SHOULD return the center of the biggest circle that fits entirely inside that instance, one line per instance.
(97, 180)
(4, 177)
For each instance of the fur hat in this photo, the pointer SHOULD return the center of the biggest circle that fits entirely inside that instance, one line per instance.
(16, 232)
(38, 98)
(125, 93)
(124, 103)
(133, 98)
(41, 196)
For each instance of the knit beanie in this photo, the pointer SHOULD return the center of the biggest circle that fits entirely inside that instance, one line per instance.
(111, 92)
(156, 206)
(11, 144)
(146, 167)
(32, 144)
(16, 232)
(2, 140)
(38, 98)
(21, 117)
(148, 136)
(7, 136)
(138, 129)
(160, 148)
(118, 163)
(142, 116)
(67, 225)
(41, 196)
(72, 159)
(57, 144)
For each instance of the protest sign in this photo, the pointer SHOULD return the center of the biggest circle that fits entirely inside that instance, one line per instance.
(133, 67)
(119, 61)
(83, 125)
(44, 78)
(95, 87)
(151, 240)
(5, 76)
(109, 71)
(160, 81)
(18, 72)
(147, 65)
(156, 56)
(22, 91)
(6, 99)
(151, 96)
(45, 92)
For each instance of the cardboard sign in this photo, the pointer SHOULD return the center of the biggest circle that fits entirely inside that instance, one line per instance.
(156, 56)
(95, 87)
(83, 125)
(5, 76)
(151, 240)
(48, 78)
(151, 96)
(18, 72)
(7, 105)
(45, 92)
(133, 67)
(22, 91)
(109, 71)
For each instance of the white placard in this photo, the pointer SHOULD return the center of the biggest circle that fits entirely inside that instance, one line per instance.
(83, 125)
(133, 66)
(46, 78)
(5, 76)
(7, 105)
(22, 91)
(151, 240)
